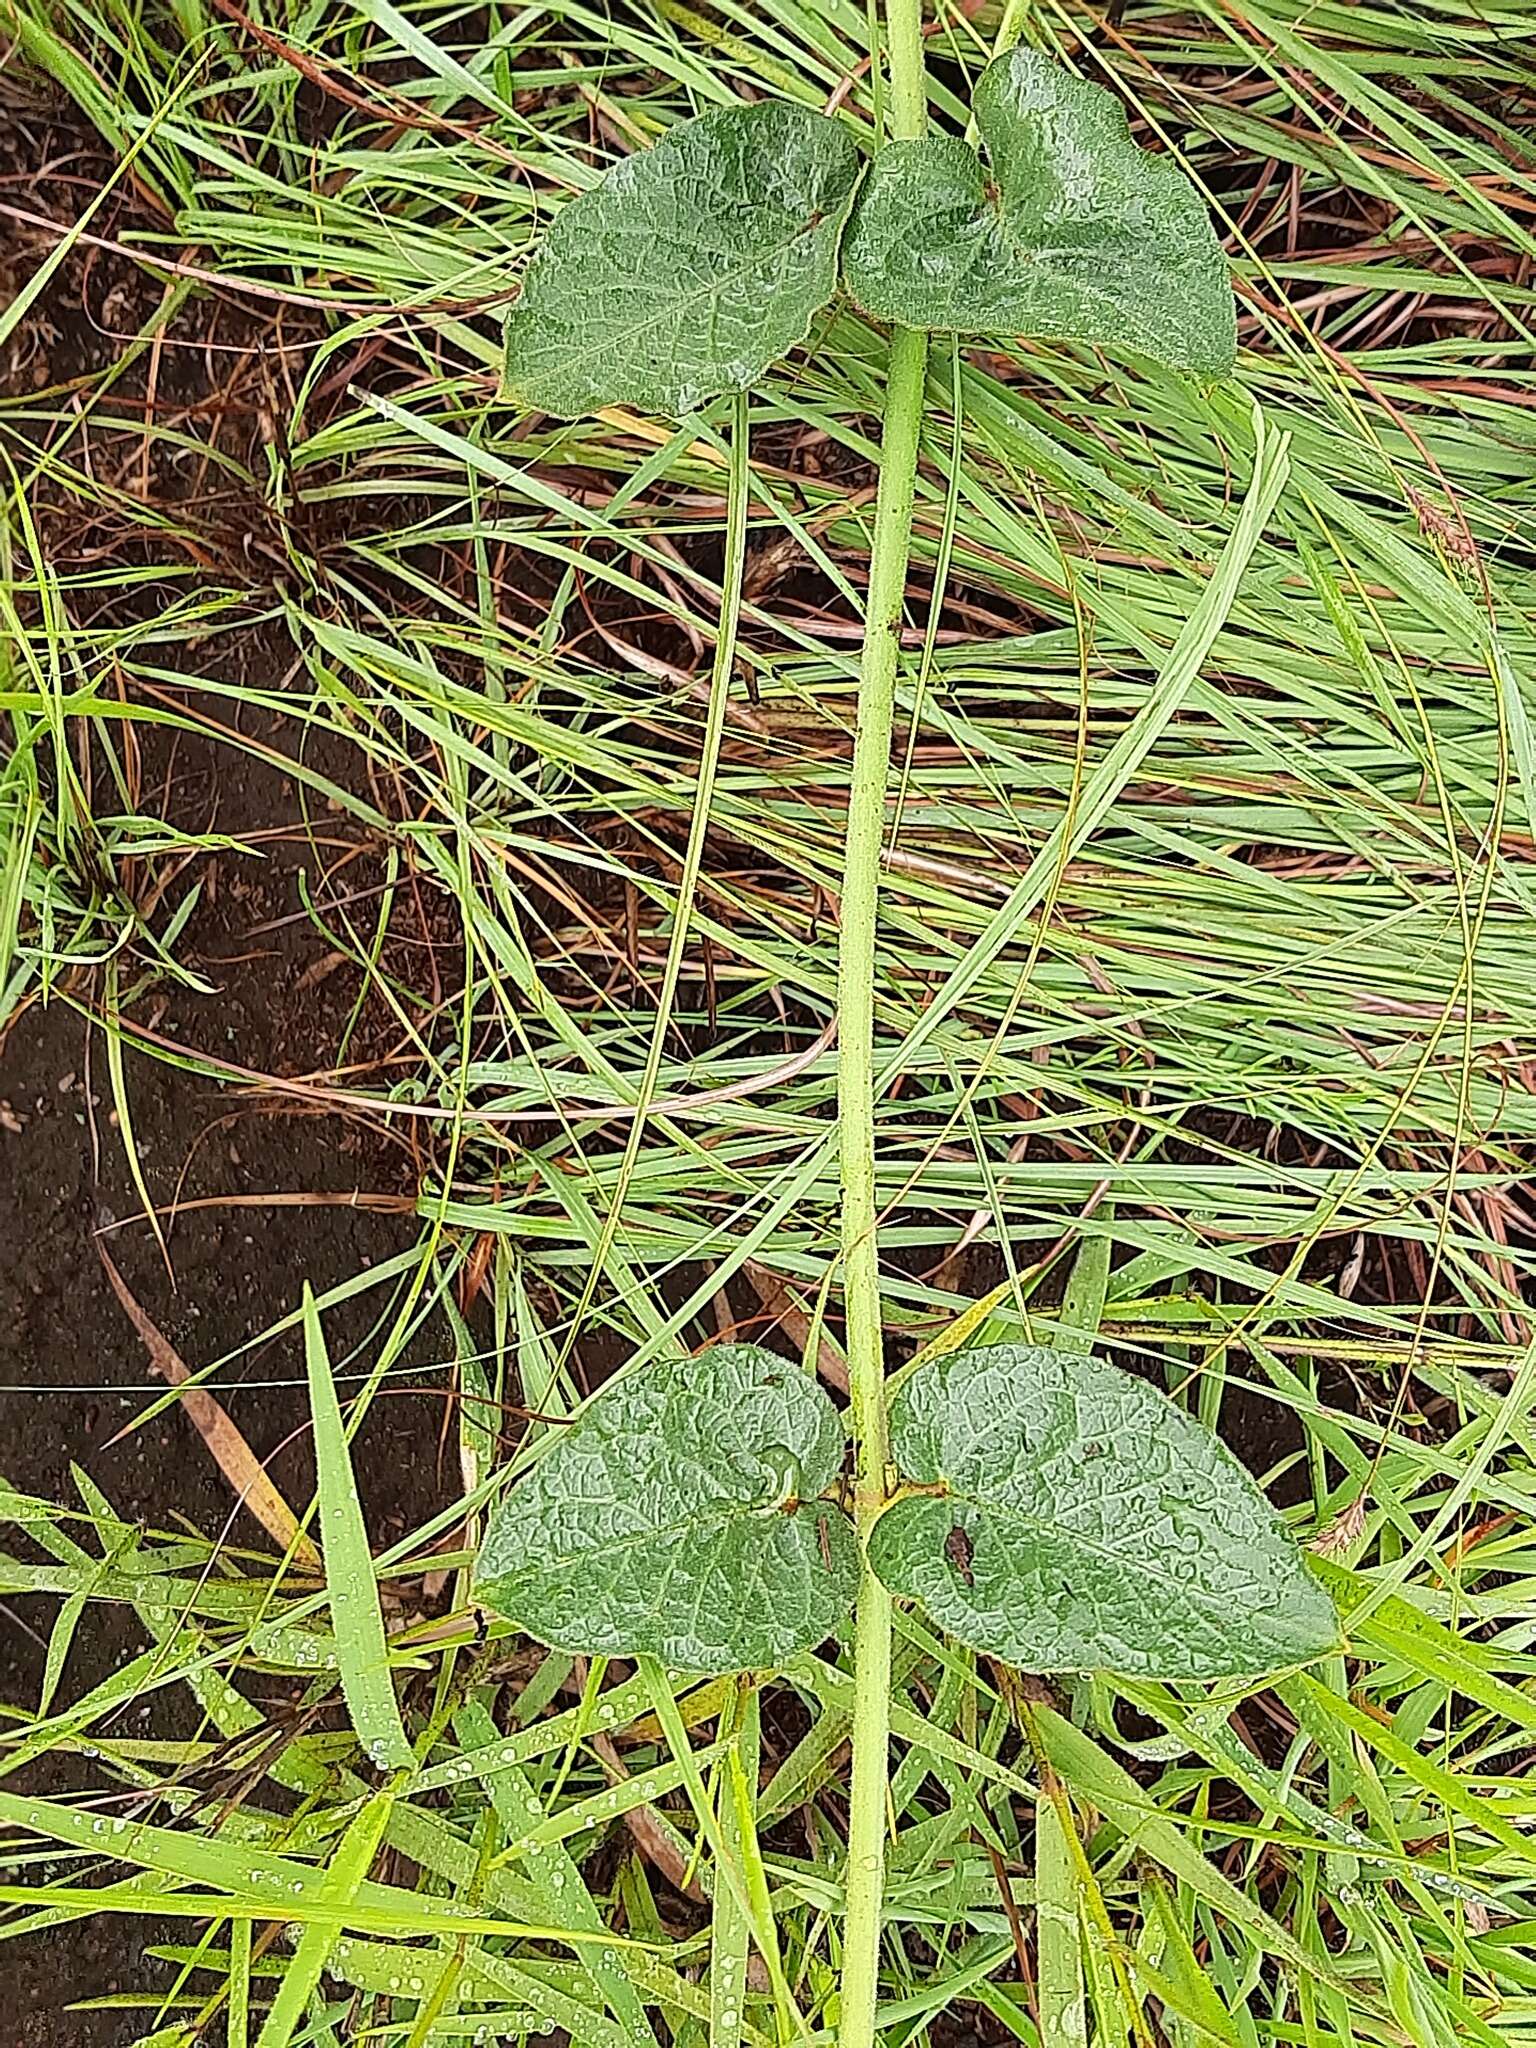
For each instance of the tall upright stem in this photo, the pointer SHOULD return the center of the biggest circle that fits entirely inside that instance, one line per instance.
(856, 1087)
(909, 78)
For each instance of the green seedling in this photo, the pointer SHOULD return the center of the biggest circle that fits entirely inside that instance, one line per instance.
(1040, 1506)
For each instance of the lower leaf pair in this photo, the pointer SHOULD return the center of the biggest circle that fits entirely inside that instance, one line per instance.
(1057, 1514)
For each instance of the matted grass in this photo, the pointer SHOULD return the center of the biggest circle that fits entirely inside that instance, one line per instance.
(1207, 953)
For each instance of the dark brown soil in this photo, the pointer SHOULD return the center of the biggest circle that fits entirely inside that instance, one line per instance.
(72, 1370)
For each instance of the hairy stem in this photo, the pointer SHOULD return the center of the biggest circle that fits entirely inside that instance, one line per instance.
(856, 1087)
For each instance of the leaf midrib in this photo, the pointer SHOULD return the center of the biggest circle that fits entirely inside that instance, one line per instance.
(714, 1520)
(1095, 1547)
(1037, 254)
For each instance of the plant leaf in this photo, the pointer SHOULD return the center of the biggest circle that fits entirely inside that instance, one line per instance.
(1075, 234)
(1088, 1524)
(689, 269)
(678, 1518)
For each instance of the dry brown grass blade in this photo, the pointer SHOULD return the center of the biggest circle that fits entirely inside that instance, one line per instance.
(784, 1306)
(648, 1835)
(227, 1447)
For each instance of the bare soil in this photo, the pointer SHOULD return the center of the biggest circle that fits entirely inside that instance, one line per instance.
(73, 1372)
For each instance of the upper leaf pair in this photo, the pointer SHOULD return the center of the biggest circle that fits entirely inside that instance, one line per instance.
(693, 266)
(1064, 1517)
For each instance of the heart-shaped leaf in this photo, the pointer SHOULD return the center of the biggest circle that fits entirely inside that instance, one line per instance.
(689, 269)
(678, 1517)
(1073, 233)
(1086, 1523)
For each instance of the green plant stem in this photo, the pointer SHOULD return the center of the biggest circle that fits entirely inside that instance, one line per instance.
(909, 78)
(856, 1089)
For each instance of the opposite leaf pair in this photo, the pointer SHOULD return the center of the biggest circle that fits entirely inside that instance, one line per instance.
(1061, 1516)
(696, 264)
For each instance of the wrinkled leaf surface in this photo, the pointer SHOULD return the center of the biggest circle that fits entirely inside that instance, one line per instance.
(1068, 231)
(678, 1518)
(689, 269)
(1088, 1524)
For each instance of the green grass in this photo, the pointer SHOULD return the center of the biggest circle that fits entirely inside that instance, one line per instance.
(1226, 970)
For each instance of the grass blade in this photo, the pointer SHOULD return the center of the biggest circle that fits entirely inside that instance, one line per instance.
(362, 1650)
(347, 1870)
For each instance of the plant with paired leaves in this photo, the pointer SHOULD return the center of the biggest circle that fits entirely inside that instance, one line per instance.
(1042, 1507)
(692, 1514)
(693, 267)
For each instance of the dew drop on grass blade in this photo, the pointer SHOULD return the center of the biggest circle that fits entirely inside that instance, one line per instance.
(351, 1586)
(553, 1877)
(238, 2024)
(347, 1870)
(730, 1927)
